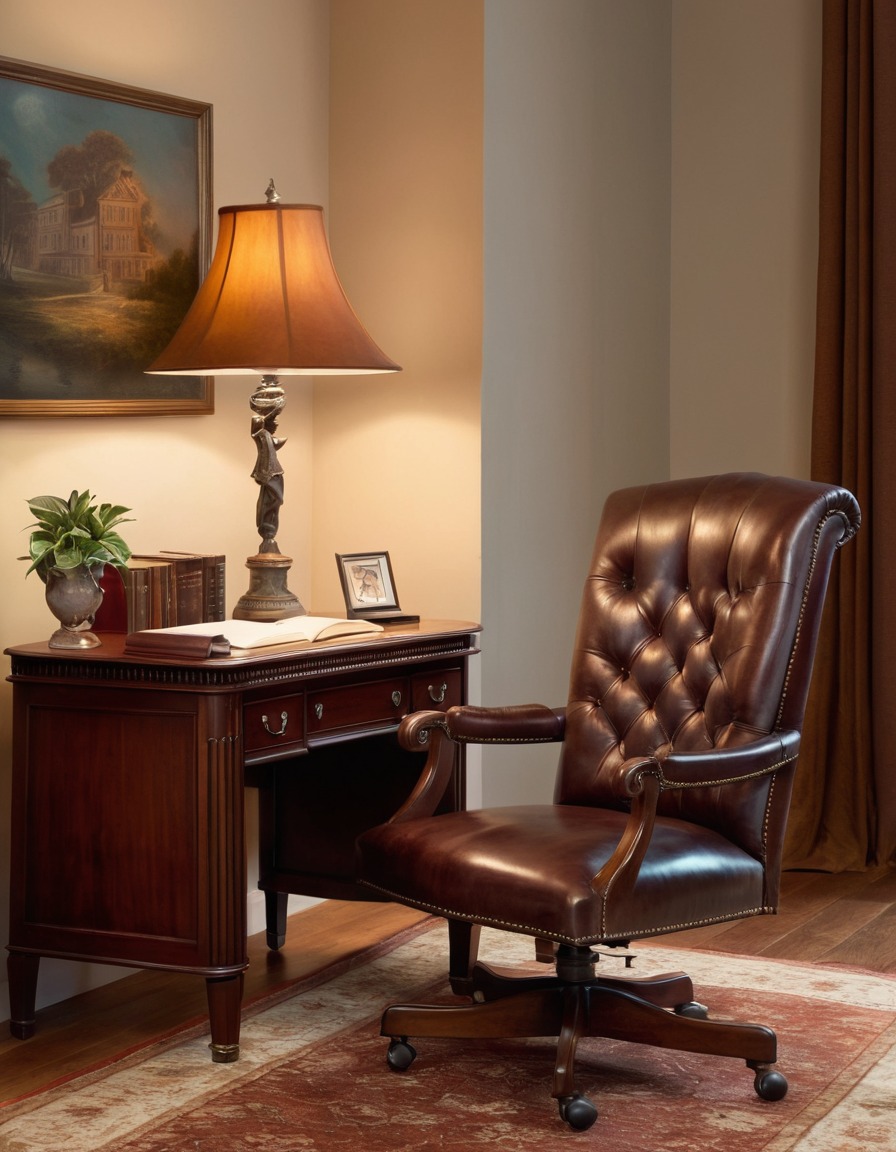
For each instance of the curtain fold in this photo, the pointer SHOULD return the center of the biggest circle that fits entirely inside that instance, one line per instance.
(844, 806)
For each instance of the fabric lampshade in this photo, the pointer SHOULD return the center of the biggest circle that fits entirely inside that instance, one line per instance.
(271, 303)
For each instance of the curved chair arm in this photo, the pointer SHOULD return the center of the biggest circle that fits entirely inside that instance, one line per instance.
(715, 767)
(439, 732)
(518, 724)
(643, 779)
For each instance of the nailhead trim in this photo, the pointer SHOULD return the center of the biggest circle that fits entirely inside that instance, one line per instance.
(503, 739)
(676, 786)
(530, 930)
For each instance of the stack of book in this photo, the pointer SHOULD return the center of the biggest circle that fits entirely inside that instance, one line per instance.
(166, 589)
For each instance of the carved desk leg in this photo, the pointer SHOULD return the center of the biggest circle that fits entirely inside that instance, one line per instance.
(225, 997)
(22, 971)
(226, 877)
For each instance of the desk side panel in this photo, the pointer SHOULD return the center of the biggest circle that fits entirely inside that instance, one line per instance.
(127, 816)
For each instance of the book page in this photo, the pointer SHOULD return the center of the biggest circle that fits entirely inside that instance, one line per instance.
(263, 633)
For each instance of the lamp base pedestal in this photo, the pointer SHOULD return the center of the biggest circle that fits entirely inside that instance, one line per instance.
(268, 598)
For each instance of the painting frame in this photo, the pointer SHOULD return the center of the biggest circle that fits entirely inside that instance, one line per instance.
(384, 605)
(184, 396)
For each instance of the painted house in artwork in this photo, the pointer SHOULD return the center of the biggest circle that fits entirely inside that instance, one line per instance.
(107, 246)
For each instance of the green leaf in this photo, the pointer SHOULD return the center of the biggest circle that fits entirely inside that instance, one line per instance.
(75, 531)
(112, 514)
(54, 504)
(67, 557)
(79, 504)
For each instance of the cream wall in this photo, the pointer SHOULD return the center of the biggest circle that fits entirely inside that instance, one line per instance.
(396, 458)
(265, 71)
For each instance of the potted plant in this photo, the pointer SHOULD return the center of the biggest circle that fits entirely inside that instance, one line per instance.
(71, 542)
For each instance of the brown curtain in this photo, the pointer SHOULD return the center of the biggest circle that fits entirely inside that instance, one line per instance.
(844, 809)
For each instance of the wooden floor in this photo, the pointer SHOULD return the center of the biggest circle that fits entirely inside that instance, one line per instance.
(847, 919)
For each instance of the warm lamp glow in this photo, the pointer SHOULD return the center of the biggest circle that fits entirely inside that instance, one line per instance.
(271, 303)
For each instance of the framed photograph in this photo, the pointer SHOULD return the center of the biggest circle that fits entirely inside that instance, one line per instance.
(369, 587)
(105, 235)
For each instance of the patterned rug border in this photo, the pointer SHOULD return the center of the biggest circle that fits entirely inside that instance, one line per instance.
(820, 1114)
(198, 1026)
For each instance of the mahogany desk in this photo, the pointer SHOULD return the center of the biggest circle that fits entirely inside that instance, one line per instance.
(128, 839)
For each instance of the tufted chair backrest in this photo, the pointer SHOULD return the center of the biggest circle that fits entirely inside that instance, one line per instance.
(697, 630)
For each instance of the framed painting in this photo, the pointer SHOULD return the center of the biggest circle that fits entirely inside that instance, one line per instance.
(105, 235)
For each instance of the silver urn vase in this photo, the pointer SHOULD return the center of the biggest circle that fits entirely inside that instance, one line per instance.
(73, 596)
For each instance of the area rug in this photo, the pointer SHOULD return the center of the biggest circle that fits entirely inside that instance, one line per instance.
(312, 1075)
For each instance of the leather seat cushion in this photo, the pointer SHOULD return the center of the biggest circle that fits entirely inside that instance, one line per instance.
(528, 869)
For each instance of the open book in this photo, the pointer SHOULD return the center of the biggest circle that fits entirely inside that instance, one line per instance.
(219, 637)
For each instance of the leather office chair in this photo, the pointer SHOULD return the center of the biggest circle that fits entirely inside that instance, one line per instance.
(680, 737)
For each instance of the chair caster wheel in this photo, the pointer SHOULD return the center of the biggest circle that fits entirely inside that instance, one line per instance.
(693, 1011)
(770, 1085)
(577, 1111)
(401, 1055)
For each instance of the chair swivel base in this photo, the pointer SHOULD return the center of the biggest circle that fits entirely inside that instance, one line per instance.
(615, 1008)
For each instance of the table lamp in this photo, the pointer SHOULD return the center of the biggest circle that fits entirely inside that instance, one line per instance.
(271, 303)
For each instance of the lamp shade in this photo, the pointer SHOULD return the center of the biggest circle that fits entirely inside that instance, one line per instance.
(272, 303)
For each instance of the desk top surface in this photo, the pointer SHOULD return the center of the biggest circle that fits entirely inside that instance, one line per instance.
(397, 644)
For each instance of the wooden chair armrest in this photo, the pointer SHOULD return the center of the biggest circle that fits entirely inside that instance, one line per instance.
(439, 732)
(713, 768)
(426, 732)
(642, 780)
(519, 724)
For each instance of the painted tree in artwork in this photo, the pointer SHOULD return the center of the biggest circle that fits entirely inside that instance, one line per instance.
(89, 167)
(16, 210)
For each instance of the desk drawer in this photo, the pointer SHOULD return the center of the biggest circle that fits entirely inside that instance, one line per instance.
(275, 724)
(440, 690)
(357, 706)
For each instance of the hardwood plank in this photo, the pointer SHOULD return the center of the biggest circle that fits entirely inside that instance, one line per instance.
(763, 936)
(870, 947)
(803, 895)
(881, 887)
(812, 939)
(856, 903)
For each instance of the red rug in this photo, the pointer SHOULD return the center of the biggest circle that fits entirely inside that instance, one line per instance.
(312, 1075)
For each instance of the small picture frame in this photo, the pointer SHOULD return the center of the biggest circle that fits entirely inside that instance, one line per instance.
(369, 587)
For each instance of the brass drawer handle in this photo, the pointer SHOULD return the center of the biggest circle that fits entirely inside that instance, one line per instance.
(270, 731)
(437, 695)
(396, 698)
(319, 711)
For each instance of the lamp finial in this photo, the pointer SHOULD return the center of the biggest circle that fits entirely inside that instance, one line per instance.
(271, 193)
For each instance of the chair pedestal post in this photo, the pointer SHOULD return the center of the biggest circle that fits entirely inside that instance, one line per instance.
(463, 948)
